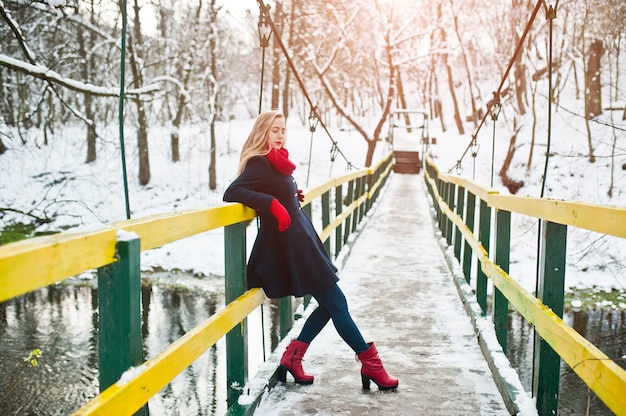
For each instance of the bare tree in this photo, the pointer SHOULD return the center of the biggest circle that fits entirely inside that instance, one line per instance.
(441, 42)
(213, 90)
(135, 49)
(87, 66)
(520, 9)
(466, 66)
(593, 84)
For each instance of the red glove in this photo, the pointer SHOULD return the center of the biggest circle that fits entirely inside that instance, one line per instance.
(282, 216)
(300, 195)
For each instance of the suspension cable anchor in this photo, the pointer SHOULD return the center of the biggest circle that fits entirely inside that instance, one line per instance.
(550, 10)
(494, 106)
(313, 120)
(474, 147)
(333, 152)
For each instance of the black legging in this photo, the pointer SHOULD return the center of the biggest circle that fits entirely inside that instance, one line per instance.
(333, 305)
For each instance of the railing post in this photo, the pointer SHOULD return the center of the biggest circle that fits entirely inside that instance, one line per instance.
(340, 227)
(235, 285)
(470, 214)
(441, 188)
(361, 182)
(285, 308)
(355, 197)
(308, 210)
(460, 207)
(450, 201)
(348, 220)
(326, 217)
(370, 179)
(500, 302)
(550, 290)
(119, 315)
(484, 231)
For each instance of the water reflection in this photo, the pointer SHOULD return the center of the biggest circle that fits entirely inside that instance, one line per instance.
(604, 327)
(62, 322)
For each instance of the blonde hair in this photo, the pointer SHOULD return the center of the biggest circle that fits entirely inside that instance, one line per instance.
(256, 144)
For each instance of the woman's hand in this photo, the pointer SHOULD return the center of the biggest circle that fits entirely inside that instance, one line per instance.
(282, 216)
(300, 195)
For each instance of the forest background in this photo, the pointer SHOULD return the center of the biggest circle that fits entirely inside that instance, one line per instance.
(192, 70)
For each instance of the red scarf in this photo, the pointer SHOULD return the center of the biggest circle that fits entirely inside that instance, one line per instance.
(280, 160)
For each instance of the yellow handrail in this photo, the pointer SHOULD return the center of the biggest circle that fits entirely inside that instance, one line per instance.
(38, 262)
(603, 376)
(126, 397)
(31, 264)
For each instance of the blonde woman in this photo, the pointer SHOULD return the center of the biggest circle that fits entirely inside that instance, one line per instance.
(288, 258)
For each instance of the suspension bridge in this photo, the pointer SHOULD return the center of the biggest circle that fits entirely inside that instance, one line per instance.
(408, 277)
(417, 273)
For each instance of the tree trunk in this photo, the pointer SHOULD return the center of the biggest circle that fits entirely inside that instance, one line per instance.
(457, 115)
(186, 76)
(446, 64)
(407, 118)
(175, 139)
(593, 86)
(212, 170)
(369, 156)
(512, 185)
(6, 108)
(592, 157)
(87, 67)
(287, 69)
(534, 127)
(276, 57)
(435, 103)
(470, 82)
(519, 72)
(213, 93)
(136, 56)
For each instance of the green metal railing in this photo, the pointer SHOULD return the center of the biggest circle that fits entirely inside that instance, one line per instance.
(458, 202)
(126, 381)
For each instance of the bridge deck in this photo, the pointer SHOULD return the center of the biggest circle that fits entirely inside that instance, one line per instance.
(402, 296)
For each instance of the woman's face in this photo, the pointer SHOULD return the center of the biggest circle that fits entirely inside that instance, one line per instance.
(276, 134)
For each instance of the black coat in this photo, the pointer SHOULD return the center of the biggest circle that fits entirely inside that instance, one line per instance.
(293, 262)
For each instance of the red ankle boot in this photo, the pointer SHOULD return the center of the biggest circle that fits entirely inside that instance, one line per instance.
(292, 361)
(372, 369)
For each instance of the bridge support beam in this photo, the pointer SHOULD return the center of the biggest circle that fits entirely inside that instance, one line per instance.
(500, 302)
(339, 241)
(119, 315)
(470, 214)
(484, 236)
(235, 285)
(460, 207)
(550, 290)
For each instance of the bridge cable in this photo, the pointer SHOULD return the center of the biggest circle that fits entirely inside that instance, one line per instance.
(550, 16)
(312, 126)
(264, 10)
(494, 109)
(498, 92)
(121, 108)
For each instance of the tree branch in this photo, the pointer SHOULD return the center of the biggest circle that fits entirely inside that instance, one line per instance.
(43, 73)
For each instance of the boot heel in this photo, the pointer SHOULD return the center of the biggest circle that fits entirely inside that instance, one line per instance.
(292, 361)
(282, 374)
(366, 382)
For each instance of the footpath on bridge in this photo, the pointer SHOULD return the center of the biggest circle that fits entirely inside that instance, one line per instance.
(402, 296)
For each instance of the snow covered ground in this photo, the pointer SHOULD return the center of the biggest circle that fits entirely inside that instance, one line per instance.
(53, 179)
